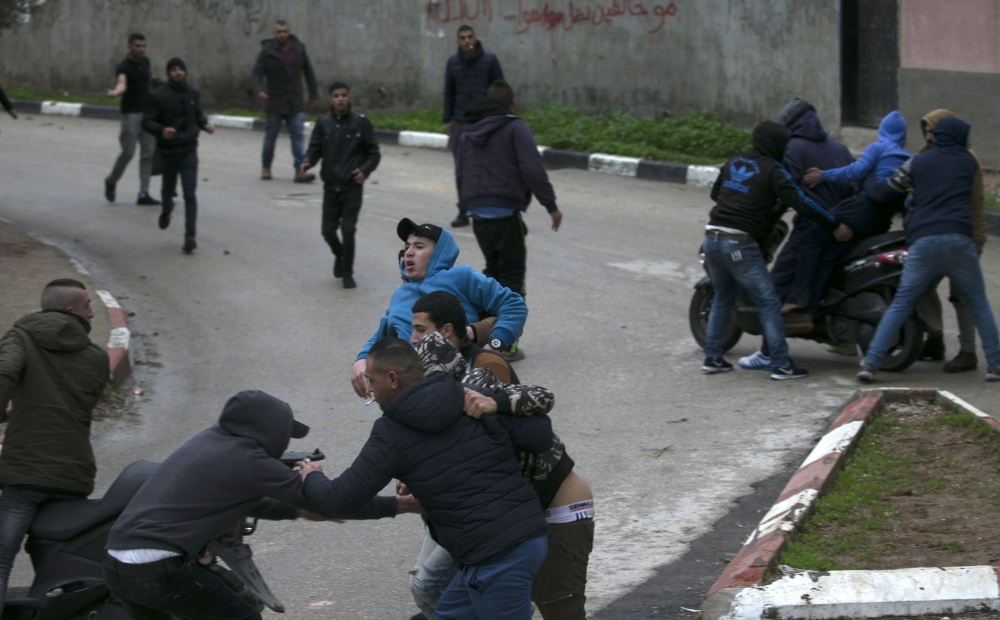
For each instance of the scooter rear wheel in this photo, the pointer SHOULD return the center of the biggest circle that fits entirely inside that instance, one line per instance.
(907, 348)
(701, 305)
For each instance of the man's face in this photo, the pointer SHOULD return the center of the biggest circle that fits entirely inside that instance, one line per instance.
(137, 49)
(384, 385)
(340, 100)
(467, 42)
(929, 135)
(281, 34)
(417, 256)
(82, 307)
(177, 74)
(423, 325)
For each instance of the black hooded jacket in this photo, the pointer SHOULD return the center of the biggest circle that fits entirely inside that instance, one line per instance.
(177, 106)
(210, 484)
(461, 470)
(750, 186)
(467, 80)
(810, 147)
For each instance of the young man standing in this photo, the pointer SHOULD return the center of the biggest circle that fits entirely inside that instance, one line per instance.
(174, 116)
(467, 77)
(133, 87)
(345, 141)
(53, 375)
(282, 62)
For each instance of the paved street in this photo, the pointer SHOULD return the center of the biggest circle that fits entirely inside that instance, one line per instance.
(665, 448)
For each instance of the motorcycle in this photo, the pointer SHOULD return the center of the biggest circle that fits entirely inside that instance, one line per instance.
(66, 544)
(858, 293)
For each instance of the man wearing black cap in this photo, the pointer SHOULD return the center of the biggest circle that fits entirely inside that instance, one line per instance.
(428, 265)
(174, 116)
(345, 140)
(203, 491)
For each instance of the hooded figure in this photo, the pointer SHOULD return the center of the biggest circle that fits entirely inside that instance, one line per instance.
(208, 486)
(475, 291)
(882, 157)
(810, 147)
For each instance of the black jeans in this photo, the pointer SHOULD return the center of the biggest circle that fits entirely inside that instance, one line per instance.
(341, 207)
(186, 165)
(502, 243)
(18, 506)
(174, 587)
(453, 142)
(560, 584)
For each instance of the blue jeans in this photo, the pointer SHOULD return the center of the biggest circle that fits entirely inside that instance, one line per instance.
(500, 589)
(295, 124)
(741, 262)
(930, 257)
(18, 506)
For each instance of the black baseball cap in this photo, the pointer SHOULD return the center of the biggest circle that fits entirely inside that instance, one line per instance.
(406, 227)
(299, 430)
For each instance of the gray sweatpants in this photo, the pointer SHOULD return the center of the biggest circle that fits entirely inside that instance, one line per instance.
(131, 132)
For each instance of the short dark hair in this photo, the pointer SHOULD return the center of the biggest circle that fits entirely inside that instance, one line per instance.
(56, 297)
(395, 354)
(66, 282)
(280, 22)
(501, 92)
(442, 309)
(465, 27)
(135, 36)
(339, 84)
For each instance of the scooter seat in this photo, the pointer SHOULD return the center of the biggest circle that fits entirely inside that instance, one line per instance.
(63, 520)
(862, 247)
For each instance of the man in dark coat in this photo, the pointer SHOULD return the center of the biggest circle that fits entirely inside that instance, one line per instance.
(463, 472)
(282, 62)
(467, 78)
(345, 141)
(53, 375)
(174, 116)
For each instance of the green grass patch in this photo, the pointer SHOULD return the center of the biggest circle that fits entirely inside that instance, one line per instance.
(242, 112)
(421, 120)
(29, 92)
(992, 201)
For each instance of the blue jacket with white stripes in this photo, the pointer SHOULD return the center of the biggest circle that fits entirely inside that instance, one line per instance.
(754, 189)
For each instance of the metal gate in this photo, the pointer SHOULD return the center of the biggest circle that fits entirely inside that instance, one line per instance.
(870, 60)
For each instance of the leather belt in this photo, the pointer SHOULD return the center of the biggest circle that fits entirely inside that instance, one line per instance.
(718, 235)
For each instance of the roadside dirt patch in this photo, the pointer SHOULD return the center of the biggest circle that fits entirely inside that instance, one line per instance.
(921, 490)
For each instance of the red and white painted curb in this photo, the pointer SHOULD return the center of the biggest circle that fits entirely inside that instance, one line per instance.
(811, 595)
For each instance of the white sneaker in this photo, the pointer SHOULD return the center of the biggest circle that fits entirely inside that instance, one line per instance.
(757, 361)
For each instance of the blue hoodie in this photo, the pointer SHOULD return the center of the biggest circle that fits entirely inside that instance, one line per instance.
(475, 291)
(883, 156)
(941, 180)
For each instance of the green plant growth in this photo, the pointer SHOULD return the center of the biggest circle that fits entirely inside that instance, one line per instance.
(992, 199)
(29, 92)
(854, 516)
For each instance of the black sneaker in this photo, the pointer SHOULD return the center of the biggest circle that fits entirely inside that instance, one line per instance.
(866, 371)
(789, 372)
(349, 281)
(165, 217)
(933, 349)
(146, 200)
(189, 245)
(338, 269)
(714, 366)
(109, 190)
(461, 220)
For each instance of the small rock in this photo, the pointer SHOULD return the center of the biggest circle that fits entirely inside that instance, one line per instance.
(137, 391)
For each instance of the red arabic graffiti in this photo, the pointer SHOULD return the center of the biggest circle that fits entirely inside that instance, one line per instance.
(551, 17)
(447, 11)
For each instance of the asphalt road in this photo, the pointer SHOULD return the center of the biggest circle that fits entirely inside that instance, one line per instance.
(665, 448)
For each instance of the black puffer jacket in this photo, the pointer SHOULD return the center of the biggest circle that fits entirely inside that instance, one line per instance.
(284, 90)
(179, 107)
(467, 80)
(462, 470)
(345, 143)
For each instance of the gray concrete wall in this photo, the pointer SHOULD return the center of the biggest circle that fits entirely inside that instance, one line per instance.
(742, 58)
(974, 97)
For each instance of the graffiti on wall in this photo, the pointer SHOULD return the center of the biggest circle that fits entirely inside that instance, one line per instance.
(555, 15)
(249, 14)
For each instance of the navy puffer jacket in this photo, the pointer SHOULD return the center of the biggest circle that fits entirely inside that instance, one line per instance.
(467, 80)
(461, 470)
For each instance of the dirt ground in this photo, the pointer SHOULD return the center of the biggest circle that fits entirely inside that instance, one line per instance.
(948, 518)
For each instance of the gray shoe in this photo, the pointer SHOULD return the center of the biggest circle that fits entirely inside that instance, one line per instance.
(866, 371)
(993, 372)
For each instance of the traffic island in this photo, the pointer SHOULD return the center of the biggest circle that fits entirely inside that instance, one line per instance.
(752, 586)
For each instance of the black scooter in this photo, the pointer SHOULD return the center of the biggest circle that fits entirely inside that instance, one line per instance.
(66, 544)
(858, 293)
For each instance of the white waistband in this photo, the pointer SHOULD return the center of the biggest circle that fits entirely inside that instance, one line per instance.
(573, 512)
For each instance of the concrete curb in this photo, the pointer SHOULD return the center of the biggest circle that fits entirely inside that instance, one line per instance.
(810, 595)
(553, 158)
(120, 339)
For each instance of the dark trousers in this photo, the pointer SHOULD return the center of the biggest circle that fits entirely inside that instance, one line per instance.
(453, 142)
(561, 582)
(18, 506)
(185, 165)
(341, 207)
(174, 588)
(502, 243)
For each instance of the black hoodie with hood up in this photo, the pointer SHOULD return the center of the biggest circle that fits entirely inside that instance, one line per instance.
(750, 185)
(218, 477)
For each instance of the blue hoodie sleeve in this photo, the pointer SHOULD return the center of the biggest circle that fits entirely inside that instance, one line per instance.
(380, 332)
(500, 301)
(853, 173)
